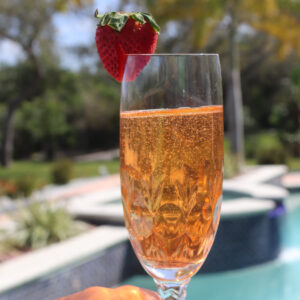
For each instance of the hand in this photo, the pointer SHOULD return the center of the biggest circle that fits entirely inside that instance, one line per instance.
(126, 292)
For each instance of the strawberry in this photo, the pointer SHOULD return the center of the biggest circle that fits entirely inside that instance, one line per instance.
(119, 34)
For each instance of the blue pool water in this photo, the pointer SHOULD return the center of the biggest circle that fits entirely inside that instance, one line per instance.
(277, 280)
(291, 223)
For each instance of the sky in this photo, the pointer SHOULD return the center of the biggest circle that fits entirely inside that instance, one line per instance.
(73, 29)
(69, 32)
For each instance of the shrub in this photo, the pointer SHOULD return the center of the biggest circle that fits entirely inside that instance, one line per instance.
(42, 224)
(8, 188)
(230, 164)
(269, 155)
(25, 186)
(292, 142)
(266, 148)
(260, 140)
(62, 172)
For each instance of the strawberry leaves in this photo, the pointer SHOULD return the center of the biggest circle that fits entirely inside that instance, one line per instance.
(117, 20)
(138, 17)
(151, 20)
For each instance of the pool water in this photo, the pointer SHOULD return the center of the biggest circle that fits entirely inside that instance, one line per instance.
(278, 280)
(291, 223)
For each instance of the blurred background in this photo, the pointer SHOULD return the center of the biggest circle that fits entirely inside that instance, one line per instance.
(57, 100)
(59, 109)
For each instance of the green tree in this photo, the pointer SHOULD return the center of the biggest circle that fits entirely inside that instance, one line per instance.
(52, 115)
(99, 122)
(27, 23)
(46, 120)
(285, 116)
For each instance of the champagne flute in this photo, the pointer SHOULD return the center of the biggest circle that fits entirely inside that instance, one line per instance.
(171, 142)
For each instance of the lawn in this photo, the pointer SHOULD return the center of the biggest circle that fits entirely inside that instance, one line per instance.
(293, 163)
(41, 171)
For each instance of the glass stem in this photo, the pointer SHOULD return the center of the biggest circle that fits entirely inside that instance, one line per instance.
(172, 290)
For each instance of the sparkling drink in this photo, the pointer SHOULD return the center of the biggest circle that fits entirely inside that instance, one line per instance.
(171, 174)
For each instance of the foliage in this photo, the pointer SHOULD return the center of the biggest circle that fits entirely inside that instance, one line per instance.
(230, 168)
(229, 165)
(99, 121)
(8, 188)
(25, 185)
(28, 24)
(276, 146)
(26, 21)
(266, 148)
(225, 27)
(205, 18)
(41, 171)
(285, 115)
(291, 142)
(262, 139)
(62, 171)
(40, 225)
(294, 164)
(21, 187)
(265, 89)
(47, 119)
(76, 111)
(269, 155)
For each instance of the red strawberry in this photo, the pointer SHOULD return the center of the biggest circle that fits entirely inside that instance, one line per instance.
(119, 34)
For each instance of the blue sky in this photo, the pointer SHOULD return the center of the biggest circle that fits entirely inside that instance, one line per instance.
(69, 32)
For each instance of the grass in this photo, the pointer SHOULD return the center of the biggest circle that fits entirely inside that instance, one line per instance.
(41, 170)
(293, 163)
(250, 162)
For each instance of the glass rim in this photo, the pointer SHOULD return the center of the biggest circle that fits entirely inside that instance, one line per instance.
(172, 54)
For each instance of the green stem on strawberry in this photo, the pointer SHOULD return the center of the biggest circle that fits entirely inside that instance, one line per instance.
(117, 20)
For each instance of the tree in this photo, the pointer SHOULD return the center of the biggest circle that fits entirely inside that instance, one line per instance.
(205, 19)
(99, 122)
(50, 118)
(28, 24)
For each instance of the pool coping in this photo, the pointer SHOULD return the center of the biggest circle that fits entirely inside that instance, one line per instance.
(34, 265)
(251, 185)
(102, 211)
(261, 173)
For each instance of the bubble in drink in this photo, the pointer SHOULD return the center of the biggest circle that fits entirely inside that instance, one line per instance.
(171, 174)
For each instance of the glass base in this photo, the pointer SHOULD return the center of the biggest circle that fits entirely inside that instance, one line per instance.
(172, 282)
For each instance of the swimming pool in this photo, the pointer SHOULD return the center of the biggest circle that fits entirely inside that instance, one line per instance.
(277, 280)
